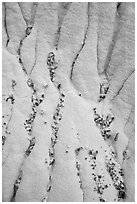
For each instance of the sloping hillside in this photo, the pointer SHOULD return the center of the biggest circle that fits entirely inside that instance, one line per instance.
(68, 102)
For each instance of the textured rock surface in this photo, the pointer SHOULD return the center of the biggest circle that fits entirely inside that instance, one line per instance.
(68, 102)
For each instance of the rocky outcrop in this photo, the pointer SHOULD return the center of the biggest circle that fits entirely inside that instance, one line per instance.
(68, 102)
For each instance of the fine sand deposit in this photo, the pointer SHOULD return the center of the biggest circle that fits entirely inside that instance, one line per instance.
(68, 102)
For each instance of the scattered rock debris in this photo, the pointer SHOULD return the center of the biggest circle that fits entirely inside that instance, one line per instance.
(112, 166)
(100, 186)
(116, 174)
(6, 119)
(52, 65)
(35, 103)
(77, 151)
(57, 117)
(103, 124)
(29, 122)
(92, 158)
(93, 153)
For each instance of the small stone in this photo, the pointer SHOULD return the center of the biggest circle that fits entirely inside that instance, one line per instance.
(28, 30)
(42, 112)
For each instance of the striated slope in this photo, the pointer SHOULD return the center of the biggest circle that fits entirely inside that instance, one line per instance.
(68, 102)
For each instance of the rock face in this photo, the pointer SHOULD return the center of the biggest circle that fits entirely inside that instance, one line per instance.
(68, 102)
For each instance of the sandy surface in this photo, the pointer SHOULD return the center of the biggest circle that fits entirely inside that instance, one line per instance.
(68, 102)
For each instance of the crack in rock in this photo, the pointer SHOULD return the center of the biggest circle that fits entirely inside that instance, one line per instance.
(120, 89)
(29, 22)
(35, 54)
(112, 44)
(19, 55)
(63, 8)
(16, 185)
(5, 24)
(83, 43)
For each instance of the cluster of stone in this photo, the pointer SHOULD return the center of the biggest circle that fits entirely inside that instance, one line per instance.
(92, 155)
(112, 166)
(78, 173)
(104, 86)
(77, 151)
(100, 186)
(4, 132)
(35, 102)
(103, 124)
(29, 122)
(116, 173)
(55, 127)
(52, 65)
(5, 125)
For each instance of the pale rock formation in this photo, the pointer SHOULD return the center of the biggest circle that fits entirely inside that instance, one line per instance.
(68, 102)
